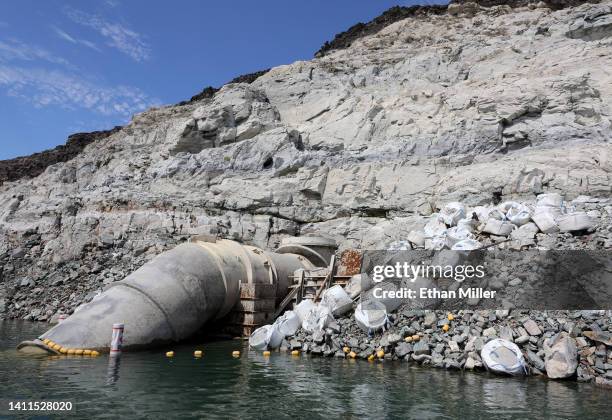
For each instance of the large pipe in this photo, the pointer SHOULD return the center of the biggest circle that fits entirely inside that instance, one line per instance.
(172, 296)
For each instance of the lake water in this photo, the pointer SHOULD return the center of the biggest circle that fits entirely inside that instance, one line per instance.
(149, 385)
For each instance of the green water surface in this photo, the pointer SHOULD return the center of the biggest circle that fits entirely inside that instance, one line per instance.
(149, 385)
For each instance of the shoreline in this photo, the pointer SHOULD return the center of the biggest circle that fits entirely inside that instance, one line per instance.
(419, 336)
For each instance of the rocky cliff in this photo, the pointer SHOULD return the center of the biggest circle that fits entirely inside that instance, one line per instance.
(468, 103)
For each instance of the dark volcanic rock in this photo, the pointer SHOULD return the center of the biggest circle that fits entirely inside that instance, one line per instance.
(397, 13)
(209, 91)
(249, 77)
(360, 30)
(206, 93)
(34, 165)
(553, 4)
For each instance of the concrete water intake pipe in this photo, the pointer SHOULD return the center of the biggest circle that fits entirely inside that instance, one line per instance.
(171, 297)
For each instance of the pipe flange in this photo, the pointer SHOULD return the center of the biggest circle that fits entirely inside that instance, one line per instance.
(313, 256)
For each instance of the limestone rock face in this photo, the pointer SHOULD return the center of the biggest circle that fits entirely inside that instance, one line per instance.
(236, 113)
(360, 145)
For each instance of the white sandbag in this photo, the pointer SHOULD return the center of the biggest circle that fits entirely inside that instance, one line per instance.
(484, 213)
(525, 235)
(518, 214)
(357, 284)
(549, 200)
(498, 227)
(555, 211)
(276, 338)
(468, 224)
(545, 220)
(266, 337)
(452, 213)
(303, 308)
(507, 205)
(575, 221)
(318, 318)
(434, 227)
(457, 234)
(436, 243)
(416, 238)
(503, 356)
(399, 246)
(371, 316)
(336, 299)
(481, 212)
(496, 214)
(259, 338)
(467, 245)
(288, 323)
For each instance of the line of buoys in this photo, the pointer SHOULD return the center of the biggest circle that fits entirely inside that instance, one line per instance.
(235, 353)
(68, 351)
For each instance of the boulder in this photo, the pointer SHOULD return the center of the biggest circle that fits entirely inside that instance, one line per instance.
(532, 328)
(561, 356)
(403, 349)
(421, 348)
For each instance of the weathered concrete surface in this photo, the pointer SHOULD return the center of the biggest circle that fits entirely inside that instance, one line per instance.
(358, 145)
(173, 296)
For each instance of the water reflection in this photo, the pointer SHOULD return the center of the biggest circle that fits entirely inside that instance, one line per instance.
(506, 393)
(281, 386)
(112, 372)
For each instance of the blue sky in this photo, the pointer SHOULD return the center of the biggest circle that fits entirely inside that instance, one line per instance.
(71, 66)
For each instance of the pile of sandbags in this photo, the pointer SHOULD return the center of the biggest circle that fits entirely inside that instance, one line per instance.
(311, 316)
(458, 227)
(271, 336)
